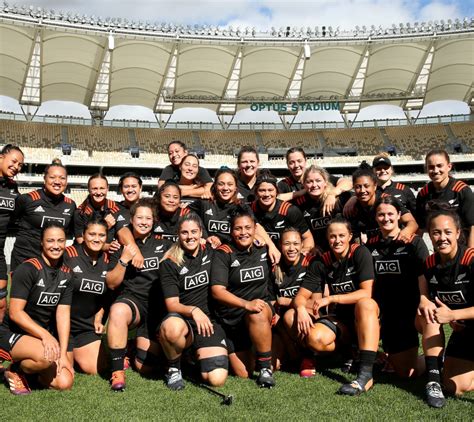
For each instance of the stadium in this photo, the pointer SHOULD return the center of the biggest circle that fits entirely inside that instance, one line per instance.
(102, 63)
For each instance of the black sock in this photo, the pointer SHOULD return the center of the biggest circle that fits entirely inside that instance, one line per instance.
(432, 368)
(175, 363)
(117, 357)
(367, 359)
(264, 360)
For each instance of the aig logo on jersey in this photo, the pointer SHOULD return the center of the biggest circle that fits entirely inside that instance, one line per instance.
(345, 287)
(7, 203)
(387, 267)
(251, 274)
(289, 291)
(218, 226)
(150, 264)
(92, 286)
(196, 280)
(47, 219)
(48, 299)
(274, 235)
(320, 223)
(452, 298)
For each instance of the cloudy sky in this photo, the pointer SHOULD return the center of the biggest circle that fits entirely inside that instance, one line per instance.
(262, 14)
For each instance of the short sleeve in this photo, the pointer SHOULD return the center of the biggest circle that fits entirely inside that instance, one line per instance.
(314, 277)
(220, 269)
(365, 266)
(296, 219)
(23, 280)
(467, 206)
(169, 279)
(204, 175)
(66, 296)
(168, 173)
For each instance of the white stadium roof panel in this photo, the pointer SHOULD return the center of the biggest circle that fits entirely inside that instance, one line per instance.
(205, 58)
(64, 91)
(265, 84)
(208, 83)
(152, 56)
(132, 96)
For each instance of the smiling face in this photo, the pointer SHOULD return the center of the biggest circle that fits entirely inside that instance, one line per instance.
(266, 195)
(296, 164)
(189, 236)
(290, 246)
(53, 244)
(248, 164)
(387, 218)
(383, 172)
(175, 154)
(142, 222)
(95, 236)
(170, 199)
(131, 190)
(55, 180)
(225, 187)
(438, 169)
(98, 189)
(11, 163)
(315, 184)
(189, 168)
(243, 232)
(444, 235)
(364, 188)
(339, 238)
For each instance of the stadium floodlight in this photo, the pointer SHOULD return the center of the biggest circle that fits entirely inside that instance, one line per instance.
(306, 50)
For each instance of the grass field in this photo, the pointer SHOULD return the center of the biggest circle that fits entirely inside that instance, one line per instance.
(292, 399)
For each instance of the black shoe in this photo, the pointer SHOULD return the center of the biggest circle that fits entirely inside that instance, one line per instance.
(353, 388)
(434, 395)
(265, 378)
(174, 379)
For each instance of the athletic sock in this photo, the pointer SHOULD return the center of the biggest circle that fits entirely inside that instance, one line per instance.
(175, 363)
(367, 359)
(117, 357)
(432, 368)
(264, 360)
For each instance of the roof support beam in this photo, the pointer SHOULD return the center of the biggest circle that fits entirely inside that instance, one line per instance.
(168, 84)
(293, 90)
(31, 90)
(356, 87)
(101, 96)
(162, 119)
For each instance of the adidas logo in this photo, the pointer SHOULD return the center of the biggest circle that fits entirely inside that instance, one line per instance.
(40, 283)
(375, 253)
(306, 214)
(236, 263)
(120, 218)
(77, 269)
(209, 212)
(158, 230)
(39, 209)
(184, 270)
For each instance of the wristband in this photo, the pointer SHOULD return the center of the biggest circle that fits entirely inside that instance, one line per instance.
(123, 263)
(3, 293)
(192, 310)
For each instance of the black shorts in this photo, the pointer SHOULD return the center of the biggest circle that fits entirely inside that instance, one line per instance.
(131, 300)
(3, 262)
(81, 339)
(398, 335)
(218, 339)
(461, 344)
(8, 339)
(238, 337)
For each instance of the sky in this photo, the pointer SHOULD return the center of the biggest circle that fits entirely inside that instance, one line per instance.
(261, 14)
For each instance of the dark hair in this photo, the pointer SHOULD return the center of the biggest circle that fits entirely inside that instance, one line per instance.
(181, 144)
(441, 209)
(196, 179)
(290, 230)
(9, 148)
(191, 216)
(245, 149)
(266, 177)
(52, 224)
(54, 163)
(97, 176)
(95, 220)
(127, 175)
(146, 203)
(220, 172)
(340, 220)
(293, 150)
(437, 152)
(166, 185)
(388, 200)
(241, 211)
(364, 172)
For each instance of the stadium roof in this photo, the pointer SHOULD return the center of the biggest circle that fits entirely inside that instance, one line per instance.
(46, 56)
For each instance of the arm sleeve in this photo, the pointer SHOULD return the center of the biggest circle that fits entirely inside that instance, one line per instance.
(79, 221)
(410, 200)
(122, 218)
(220, 269)
(66, 296)
(283, 187)
(204, 176)
(23, 279)
(365, 264)
(167, 173)
(169, 279)
(314, 277)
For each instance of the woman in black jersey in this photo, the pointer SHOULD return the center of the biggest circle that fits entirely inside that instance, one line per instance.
(239, 283)
(275, 215)
(348, 272)
(139, 304)
(90, 299)
(286, 279)
(130, 186)
(35, 208)
(456, 194)
(248, 162)
(184, 275)
(398, 268)
(447, 297)
(189, 180)
(11, 162)
(35, 333)
(168, 199)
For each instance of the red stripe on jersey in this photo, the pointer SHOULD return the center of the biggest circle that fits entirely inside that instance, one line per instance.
(158, 236)
(253, 205)
(5, 355)
(35, 196)
(285, 206)
(327, 258)
(430, 261)
(400, 186)
(106, 257)
(65, 269)
(71, 251)
(301, 200)
(225, 248)
(35, 263)
(459, 186)
(374, 239)
(307, 260)
(468, 256)
(289, 181)
(67, 200)
(352, 249)
(423, 191)
(203, 246)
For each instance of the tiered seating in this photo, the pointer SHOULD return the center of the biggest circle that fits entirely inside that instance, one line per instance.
(226, 141)
(465, 132)
(37, 135)
(288, 138)
(97, 138)
(367, 141)
(156, 140)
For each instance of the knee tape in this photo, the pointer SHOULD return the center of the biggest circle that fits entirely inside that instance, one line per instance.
(216, 362)
(146, 358)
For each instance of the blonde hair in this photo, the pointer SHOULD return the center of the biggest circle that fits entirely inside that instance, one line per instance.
(325, 175)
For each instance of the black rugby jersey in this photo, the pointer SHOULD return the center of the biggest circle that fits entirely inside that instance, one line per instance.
(341, 277)
(139, 281)
(32, 211)
(402, 192)
(397, 266)
(172, 173)
(190, 281)
(90, 290)
(167, 226)
(246, 274)
(245, 192)
(122, 218)
(452, 283)
(8, 195)
(456, 194)
(282, 216)
(87, 210)
(293, 276)
(44, 288)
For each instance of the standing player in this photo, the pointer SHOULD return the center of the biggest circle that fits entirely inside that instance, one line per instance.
(248, 162)
(138, 305)
(447, 297)
(239, 283)
(34, 209)
(444, 188)
(184, 275)
(35, 333)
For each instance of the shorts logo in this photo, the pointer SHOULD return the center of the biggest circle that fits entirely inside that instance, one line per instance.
(150, 264)
(47, 219)
(387, 267)
(452, 298)
(48, 299)
(345, 287)
(92, 286)
(289, 291)
(218, 226)
(13, 339)
(320, 223)
(274, 235)
(251, 274)
(7, 203)
(196, 280)
(350, 271)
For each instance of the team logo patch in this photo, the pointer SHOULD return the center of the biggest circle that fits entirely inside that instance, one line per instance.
(263, 256)
(150, 264)
(47, 219)
(159, 248)
(39, 209)
(280, 224)
(274, 235)
(7, 203)
(48, 299)
(196, 280)
(387, 267)
(92, 286)
(289, 291)
(461, 278)
(350, 271)
(218, 226)
(62, 283)
(452, 298)
(205, 260)
(251, 274)
(300, 276)
(401, 251)
(320, 223)
(67, 211)
(344, 287)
